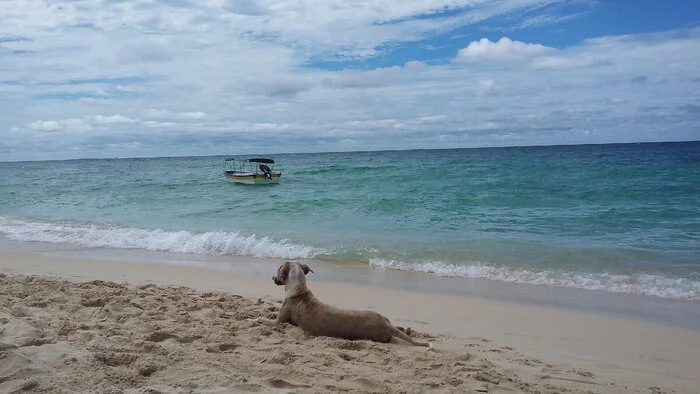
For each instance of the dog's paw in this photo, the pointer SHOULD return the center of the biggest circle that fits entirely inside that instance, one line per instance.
(407, 330)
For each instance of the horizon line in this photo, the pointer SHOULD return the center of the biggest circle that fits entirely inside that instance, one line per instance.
(362, 151)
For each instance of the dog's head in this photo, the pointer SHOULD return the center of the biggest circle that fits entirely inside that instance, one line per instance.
(288, 269)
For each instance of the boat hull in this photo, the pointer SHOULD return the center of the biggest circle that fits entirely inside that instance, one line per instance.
(254, 179)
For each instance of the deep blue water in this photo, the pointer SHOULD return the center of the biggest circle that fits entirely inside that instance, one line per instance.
(621, 218)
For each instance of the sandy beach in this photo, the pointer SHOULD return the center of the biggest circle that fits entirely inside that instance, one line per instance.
(72, 324)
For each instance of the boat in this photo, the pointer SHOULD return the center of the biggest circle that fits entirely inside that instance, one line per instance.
(253, 171)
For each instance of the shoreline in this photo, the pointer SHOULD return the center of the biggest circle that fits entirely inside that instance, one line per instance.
(615, 350)
(672, 312)
(555, 266)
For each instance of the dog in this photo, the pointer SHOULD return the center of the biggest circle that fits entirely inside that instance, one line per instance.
(304, 310)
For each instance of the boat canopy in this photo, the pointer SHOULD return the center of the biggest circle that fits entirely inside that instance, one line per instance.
(255, 160)
(261, 160)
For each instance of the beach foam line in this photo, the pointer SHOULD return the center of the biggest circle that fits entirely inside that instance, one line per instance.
(233, 243)
(212, 243)
(640, 284)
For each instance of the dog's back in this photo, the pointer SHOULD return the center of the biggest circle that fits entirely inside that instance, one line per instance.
(322, 319)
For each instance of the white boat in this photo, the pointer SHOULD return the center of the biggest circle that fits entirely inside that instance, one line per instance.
(253, 171)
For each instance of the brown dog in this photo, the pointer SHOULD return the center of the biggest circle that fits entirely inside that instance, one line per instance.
(303, 309)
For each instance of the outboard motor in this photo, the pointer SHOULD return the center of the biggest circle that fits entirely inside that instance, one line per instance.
(266, 170)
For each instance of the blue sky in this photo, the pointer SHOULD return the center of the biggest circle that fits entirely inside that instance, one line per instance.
(99, 78)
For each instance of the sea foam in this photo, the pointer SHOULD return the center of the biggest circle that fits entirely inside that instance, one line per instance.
(233, 243)
(214, 243)
(641, 284)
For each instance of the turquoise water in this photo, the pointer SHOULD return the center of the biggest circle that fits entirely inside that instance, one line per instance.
(618, 218)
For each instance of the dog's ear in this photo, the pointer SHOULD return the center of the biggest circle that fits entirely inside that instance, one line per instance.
(305, 268)
(282, 273)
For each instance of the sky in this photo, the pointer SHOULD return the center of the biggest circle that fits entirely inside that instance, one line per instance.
(148, 78)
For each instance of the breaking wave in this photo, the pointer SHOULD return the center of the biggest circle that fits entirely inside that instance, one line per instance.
(641, 284)
(213, 243)
(233, 243)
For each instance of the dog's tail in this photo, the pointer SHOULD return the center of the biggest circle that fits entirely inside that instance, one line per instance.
(404, 337)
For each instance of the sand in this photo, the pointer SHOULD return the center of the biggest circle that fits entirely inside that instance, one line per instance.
(88, 325)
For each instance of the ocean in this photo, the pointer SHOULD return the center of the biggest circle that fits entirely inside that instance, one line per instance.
(621, 218)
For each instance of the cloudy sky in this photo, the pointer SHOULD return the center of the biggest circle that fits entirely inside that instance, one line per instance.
(125, 78)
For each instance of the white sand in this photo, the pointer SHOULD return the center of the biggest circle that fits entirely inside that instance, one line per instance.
(62, 332)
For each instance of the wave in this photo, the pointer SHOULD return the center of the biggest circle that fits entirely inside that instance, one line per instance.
(213, 243)
(640, 284)
(234, 243)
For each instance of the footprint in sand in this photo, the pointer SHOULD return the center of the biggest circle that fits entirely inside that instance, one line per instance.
(283, 384)
(222, 348)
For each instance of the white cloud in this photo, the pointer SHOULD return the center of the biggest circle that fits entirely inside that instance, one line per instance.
(328, 28)
(372, 123)
(68, 125)
(432, 118)
(130, 73)
(76, 125)
(45, 125)
(155, 124)
(568, 63)
(504, 49)
(374, 78)
(164, 113)
(488, 87)
(113, 119)
(157, 113)
(192, 115)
